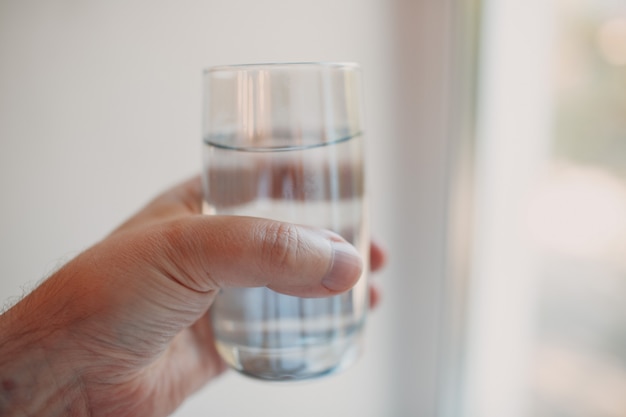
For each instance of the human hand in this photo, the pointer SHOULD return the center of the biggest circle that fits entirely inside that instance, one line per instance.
(121, 329)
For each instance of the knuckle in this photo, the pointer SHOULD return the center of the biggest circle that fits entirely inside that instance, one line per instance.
(281, 246)
(173, 237)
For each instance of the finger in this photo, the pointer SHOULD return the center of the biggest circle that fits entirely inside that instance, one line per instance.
(179, 201)
(179, 266)
(378, 259)
(378, 256)
(212, 252)
(188, 194)
(374, 296)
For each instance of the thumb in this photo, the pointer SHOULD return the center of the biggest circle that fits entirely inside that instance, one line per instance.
(206, 253)
(164, 277)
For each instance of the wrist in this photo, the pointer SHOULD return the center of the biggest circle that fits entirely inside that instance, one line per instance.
(36, 375)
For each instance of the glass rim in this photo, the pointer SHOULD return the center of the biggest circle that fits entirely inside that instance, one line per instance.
(265, 66)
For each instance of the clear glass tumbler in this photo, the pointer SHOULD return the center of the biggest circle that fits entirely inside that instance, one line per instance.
(285, 142)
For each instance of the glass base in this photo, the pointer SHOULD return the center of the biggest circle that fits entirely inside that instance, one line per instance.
(293, 364)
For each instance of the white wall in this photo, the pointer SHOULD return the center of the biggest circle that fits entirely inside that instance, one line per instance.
(100, 109)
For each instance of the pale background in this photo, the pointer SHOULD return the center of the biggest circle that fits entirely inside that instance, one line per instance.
(100, 105)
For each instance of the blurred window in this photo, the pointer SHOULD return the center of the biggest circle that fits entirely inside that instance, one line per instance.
(546, 323)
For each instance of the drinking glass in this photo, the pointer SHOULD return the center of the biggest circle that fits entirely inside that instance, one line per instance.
(285, 142)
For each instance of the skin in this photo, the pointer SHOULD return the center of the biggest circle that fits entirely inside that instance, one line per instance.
(122, 329)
